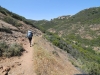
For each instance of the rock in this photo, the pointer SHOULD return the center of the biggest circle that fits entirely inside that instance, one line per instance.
(6, 69)
(5, 73)
(13, 66)
(1, 67)
(19, 64)
(22, 39)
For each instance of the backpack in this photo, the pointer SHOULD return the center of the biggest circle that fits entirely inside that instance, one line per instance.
(29, 34)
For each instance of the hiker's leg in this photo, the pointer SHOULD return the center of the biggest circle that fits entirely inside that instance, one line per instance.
(30, 41)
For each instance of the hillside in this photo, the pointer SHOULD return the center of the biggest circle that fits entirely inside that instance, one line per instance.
(87, 18)
(84, 25)
(79, 35)
(14, 44)
(50, 60)
(13, 27)
(18, 58)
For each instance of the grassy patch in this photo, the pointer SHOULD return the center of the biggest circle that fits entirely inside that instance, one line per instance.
(46, 63)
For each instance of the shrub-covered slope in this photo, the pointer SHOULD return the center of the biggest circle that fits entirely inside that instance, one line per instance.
(79, 35)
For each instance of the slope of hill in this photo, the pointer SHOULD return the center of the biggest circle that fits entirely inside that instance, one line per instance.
(79, 35)
(50, 60)
(13, 25)
(14, 45)
(84, 25)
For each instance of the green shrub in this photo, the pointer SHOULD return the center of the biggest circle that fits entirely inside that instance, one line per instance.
(3, 12)
(55, 53)
(12, 21)
(95, 69)
(12, 18)
(15, 50)
(86, 55)
(3, 47)
(7, 30)
(14, 15)
(17, 17)
(12, 50)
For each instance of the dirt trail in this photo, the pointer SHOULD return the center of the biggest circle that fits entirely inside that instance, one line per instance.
(26, 67)
(19, 65)
(27, 62)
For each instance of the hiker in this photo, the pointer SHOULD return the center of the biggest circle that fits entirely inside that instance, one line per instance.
(30, 35)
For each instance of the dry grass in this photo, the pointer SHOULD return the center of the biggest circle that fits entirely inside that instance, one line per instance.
(49, 60)
(46, 63)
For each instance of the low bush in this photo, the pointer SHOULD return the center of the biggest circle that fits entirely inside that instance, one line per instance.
(12, 50)
(95, 69)
(12, 21)
(7, 30)
(86, 55)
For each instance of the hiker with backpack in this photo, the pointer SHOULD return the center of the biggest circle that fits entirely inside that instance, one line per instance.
(29, 36)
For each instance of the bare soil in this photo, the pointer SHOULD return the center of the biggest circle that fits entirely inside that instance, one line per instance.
(22, 65)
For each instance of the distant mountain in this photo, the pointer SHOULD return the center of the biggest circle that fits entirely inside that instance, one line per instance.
(84, 23)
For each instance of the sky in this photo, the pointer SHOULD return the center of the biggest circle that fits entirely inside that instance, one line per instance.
(47, 9)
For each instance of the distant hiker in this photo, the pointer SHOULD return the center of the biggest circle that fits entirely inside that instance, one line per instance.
(30, 35)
